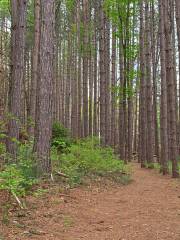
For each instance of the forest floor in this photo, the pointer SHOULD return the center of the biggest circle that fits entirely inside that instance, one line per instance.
(146, 209)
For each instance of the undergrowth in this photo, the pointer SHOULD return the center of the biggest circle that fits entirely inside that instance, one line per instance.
(18, 178)
(76, 159)
(157, 166)
(87, 158)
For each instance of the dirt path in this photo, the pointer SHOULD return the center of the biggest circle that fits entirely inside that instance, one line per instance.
(146, 209)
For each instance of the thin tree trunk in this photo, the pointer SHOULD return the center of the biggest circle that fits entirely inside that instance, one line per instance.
(149, 139)
(35, 62)
(102, 75)
(163, 114)
(113, 84)
(142, 116)
(85, 68)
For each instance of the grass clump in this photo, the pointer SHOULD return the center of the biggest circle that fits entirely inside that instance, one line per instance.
(68, 221)
(87, 158)
(40, 192)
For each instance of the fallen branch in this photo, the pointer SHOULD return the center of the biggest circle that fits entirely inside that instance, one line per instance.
(66, 195)
(17, 200)
(61, 174)
(52, 178)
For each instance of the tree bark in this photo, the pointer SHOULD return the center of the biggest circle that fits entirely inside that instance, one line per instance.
(171, 90)
(163, 113)
(45, 88)
(18, 11)
(35, 63)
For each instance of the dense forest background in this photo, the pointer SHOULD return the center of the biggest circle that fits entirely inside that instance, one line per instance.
(107, 68)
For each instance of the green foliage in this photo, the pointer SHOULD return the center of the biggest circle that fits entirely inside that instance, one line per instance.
(30, 23)
(87, 158)
(40, 192)
(13, 180)
(68, 221)
(61, 145)
(5, 215)
(58, 130)
(153, 166)
(170, 166)
(158, 166)
(26, 161)
(18, 178)
(2, 149)
(122, 92)
(60, 138)
(4, 8)
(2, 142)
(70, 4)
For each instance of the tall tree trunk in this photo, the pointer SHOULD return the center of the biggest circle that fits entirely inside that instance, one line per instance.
(113, 84)
(163, 113)
(68, 82)
(102, 74)
(107, 82)
(35, 63)
(149, 139)
(95, 112)
(79, 63)
(155, 59)
(18, 11)
(178, 37)
(171, 90)
(44, 88)
(142, 115)
(85, 68)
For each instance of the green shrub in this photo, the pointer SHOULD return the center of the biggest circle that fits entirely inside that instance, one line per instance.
(26, 161)
(61, 145)
(58, 130)
(13, 180)
(87, 158)
(18, 178)
(60, 138)
(153, 165)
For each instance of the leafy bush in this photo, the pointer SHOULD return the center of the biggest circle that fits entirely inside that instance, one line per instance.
(61, 145)
(18, 178)
(26, 161)
(58, 130)
(13, 180)
(87, 158)
(60, 138)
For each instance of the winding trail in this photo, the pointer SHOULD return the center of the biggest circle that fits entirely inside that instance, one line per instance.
(146, 209)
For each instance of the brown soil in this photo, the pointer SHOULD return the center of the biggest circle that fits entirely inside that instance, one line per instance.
(146, 209)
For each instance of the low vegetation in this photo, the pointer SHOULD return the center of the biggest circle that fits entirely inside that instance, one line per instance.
(158, 166)
(87, 158)
(74, 159)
